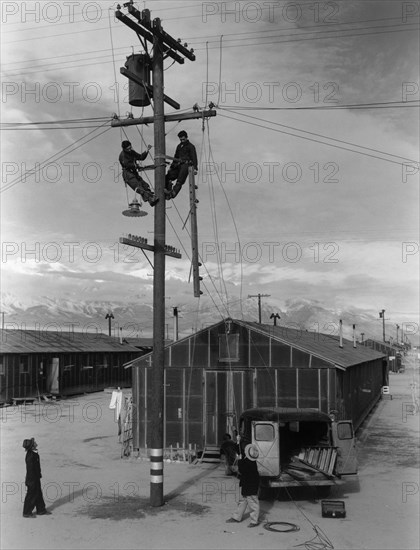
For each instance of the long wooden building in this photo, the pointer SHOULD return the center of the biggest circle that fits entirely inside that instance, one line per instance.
(392, 352)
(33, 363)
(216, 373)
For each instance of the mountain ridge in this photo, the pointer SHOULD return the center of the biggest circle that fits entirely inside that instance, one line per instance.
(136, 319)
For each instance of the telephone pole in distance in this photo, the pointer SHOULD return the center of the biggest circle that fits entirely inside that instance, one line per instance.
(259, 296)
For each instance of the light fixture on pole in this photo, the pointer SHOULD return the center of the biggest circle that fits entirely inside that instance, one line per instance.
(109, 316)
(275, 316)
(134, 210)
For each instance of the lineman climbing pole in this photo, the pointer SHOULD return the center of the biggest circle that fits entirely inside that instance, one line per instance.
(163, 46)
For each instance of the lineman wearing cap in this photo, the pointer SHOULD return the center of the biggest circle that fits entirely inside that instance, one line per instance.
(185, 155)
(128, 159)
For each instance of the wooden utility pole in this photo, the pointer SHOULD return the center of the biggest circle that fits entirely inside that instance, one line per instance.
(163, 46)
(382, 316)
(157, 403)
(259, 296)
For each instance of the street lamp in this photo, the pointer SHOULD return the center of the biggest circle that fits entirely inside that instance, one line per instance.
(109, 316)
(275, 316)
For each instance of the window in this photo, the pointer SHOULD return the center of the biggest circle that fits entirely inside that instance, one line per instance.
(344, 430)
(264, 432)
(229, 347)
(23, 364)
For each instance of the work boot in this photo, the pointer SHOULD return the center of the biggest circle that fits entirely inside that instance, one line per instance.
(176, 189)
(153, 200)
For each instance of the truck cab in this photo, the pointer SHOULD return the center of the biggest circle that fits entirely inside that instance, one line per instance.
(299, 447)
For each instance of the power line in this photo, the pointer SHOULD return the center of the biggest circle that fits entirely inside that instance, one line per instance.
(217, 37)
(295, 39)
(319, 140)
(378, 105)
(61, 154)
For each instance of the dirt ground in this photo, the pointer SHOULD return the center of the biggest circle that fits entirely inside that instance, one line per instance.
(99, 500)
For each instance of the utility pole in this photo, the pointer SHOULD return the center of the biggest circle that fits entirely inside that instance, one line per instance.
(398, 326)
(259, 296)
(382, 316)
(109, 316)
(163, 46)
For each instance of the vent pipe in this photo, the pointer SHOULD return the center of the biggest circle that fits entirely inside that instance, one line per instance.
(341, 333)
(175, 310)
(354, 336)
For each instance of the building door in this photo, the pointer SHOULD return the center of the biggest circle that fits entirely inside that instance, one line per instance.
(52, 375)
(223, 403)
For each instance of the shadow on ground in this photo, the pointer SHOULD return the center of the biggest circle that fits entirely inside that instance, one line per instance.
(138, 508)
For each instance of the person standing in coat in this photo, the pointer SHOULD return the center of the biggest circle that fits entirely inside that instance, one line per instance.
(229, 451)
(128, 159)
(185, 155)
(34, 498)
(249, 484)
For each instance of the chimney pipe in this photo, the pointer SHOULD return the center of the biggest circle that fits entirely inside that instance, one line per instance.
(175, 311)
(341, 333)
(354, 336)
(121, 338)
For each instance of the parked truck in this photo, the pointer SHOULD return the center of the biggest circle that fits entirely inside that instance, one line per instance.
(299, 447)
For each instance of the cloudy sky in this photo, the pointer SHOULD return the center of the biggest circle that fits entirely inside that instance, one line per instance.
(308, 179)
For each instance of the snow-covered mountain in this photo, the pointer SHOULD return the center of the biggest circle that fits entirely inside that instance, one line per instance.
(135, 317)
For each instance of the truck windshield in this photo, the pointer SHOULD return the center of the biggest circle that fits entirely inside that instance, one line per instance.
(344, 430)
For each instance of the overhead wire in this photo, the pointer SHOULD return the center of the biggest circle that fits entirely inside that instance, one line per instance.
(236, 12)
(213, 211)
(235, 226)
(283, 39)
(378, 105)
(313, 139)
(56, 156)
(404, 27)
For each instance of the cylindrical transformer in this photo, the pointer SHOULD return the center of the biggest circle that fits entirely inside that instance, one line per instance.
(139, 64)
